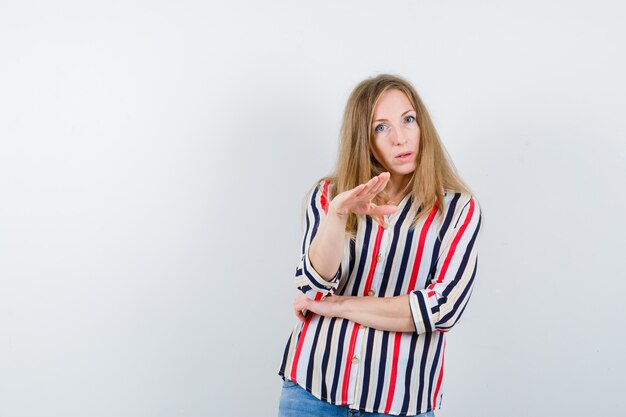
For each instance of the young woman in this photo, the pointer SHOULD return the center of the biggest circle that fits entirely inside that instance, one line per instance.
(389, 258)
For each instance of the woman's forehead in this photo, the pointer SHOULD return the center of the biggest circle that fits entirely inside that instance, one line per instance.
(392, 103)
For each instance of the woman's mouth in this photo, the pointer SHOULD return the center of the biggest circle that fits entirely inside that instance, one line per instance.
(404, 157)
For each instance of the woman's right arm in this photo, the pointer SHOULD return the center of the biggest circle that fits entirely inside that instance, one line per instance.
(326, 250)
(307, 278)
(323, 246)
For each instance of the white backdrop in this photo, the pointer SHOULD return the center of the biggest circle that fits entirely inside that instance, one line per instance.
(153, 160)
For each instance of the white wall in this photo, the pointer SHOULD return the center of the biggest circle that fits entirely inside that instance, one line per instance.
(153, 160)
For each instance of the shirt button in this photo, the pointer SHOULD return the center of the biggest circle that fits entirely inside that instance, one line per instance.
(355, 360)
(379, 257)
(385, 225)
(371, 293)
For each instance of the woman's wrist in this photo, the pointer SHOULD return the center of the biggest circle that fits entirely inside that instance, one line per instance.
(338, 305)
(333, 212)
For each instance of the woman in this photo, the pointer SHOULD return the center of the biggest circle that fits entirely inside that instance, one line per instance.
(389, 257)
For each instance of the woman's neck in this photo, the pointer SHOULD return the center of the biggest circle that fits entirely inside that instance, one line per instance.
(396, 189)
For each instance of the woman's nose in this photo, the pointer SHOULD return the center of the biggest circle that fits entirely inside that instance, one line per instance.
(399, 137)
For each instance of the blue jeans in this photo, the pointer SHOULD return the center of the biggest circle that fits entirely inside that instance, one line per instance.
(295, 401)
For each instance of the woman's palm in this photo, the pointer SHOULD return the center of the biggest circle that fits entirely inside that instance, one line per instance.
(359, 199)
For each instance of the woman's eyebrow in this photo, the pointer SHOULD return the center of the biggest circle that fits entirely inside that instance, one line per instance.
(384, 120)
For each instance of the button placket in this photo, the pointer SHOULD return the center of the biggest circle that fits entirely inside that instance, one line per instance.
(355, 373)
(380, 257)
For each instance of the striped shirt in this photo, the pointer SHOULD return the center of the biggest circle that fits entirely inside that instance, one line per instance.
(400, 373)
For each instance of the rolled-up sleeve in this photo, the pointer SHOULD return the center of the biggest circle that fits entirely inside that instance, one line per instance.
(439, 306)
(307, 279)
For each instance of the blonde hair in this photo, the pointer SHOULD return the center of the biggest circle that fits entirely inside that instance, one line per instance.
(356, 164)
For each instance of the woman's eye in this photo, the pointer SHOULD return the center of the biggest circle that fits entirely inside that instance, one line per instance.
(409, 119)
(379, 128)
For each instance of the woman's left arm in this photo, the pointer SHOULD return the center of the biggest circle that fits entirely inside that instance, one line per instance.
(382, 313)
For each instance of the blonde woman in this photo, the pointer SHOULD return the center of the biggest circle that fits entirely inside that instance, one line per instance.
(389, 259)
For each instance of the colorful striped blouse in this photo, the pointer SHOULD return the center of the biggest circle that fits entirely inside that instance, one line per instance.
(400, 373)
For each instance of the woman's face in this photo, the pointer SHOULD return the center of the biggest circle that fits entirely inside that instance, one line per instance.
(396, 135)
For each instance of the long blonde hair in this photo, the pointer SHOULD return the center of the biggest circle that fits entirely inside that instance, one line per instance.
(356, 164)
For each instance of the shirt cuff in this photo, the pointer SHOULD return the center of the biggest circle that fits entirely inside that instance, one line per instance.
(316, 280)
(421, 312)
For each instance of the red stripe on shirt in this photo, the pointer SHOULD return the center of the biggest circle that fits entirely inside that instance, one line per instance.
(324, 199)
(296, 356)
(394, 371)
(420, 248)
(455, 242)
(346, 378)
(440, 376)
(370, 275)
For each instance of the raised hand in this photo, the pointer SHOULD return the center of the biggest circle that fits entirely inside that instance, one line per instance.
(359, 199)
(327, 247)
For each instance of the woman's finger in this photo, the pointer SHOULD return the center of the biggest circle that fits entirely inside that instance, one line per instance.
(300, 314)
(383, 210)
(299, 307)
(362, 195)
(384, 179)
(366, 194)
(347, 200)
(381, 185)
(367, 189)
(352, 194)
(372, 183)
